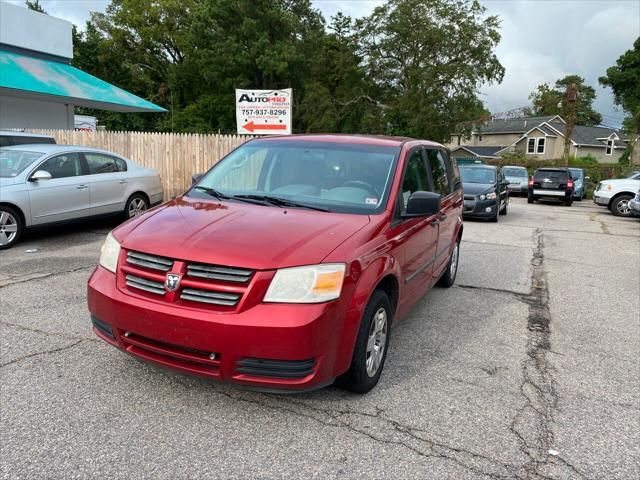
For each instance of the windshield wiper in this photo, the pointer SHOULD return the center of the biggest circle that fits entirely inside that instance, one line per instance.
(213, 192)
(280, 202)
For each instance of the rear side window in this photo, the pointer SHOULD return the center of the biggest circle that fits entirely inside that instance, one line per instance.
(454, 173)
(63, 166)
(101, 163)
(415, 176)
(8, 140)
(438, 172)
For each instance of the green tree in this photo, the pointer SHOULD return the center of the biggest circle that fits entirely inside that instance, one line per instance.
(624, 79)
(35, 5)
(546, 100)
(429, 58)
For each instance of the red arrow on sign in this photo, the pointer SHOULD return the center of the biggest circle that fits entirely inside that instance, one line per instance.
(252, 126)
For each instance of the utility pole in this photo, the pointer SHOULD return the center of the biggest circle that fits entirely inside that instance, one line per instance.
(570, 99)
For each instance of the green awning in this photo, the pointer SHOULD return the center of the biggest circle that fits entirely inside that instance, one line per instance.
(22, 75)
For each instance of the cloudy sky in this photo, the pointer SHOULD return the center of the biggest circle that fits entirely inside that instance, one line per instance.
(542, 40)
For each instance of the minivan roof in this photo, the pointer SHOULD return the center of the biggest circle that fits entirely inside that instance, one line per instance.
(382, 140)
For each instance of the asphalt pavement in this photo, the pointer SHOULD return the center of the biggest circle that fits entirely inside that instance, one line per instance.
(528, 368)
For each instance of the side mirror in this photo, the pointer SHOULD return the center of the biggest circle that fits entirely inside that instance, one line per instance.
(196, 177)
(504, 182)
(423, 204)
(40, 175)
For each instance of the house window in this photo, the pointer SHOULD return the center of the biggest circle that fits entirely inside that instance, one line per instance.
(609, 147)
(480, 138)
(531, 145)
(536, 145)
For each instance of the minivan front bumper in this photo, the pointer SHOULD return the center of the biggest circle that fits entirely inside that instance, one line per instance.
(268, 346)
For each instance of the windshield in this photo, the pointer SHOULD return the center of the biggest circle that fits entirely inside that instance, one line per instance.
(514, 172)
(478, 175)
(13, 162)
(576, 173)
(634, 176)
(337, 177)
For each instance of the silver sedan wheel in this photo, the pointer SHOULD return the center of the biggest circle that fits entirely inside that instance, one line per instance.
(8, 228)
(377, 341)
(137, 207)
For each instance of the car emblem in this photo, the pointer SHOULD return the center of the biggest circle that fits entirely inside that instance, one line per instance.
(172, 282)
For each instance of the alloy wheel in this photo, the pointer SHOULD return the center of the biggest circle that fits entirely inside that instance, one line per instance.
(137, 207)
(623, 207)
(377, 341)
(453, 265)
(8, 228)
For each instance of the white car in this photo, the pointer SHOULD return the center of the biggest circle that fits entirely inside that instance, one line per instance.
(616, 194)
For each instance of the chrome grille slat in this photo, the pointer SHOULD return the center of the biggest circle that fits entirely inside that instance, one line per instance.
(149, 261)
(215, 272)
(144, 284)
(206, 296)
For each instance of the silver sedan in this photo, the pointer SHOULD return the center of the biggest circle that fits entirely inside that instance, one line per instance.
(48, 184)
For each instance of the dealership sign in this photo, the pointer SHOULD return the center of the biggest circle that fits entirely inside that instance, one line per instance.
(264, 112)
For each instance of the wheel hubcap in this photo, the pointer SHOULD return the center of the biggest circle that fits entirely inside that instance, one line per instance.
(623, 207)
(377, 341)
(8, 228)
(454, 261)
(137, 207)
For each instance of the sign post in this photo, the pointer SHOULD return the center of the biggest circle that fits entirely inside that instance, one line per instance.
(264, 112)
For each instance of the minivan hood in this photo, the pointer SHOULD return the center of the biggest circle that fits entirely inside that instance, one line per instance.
(477, 188)
(238, 234)
(7, 180)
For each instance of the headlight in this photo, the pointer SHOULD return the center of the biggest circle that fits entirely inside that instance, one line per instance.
(488, 196)
(109, 253)
(609, 187)
(310, 284)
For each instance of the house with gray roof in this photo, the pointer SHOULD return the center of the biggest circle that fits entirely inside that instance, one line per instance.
(539, 138)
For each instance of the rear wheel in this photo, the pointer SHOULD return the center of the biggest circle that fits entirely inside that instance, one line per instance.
(529, 199)
(620, 206)
(504, 209)
(11, 227)
(136, 205)
(370, 350)
(568, 203)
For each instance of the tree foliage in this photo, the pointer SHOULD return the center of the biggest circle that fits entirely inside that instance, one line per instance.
(413, 67)
(624, 79)
(35, 5)
(547, 100)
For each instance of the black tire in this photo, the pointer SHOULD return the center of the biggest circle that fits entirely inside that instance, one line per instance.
(449, 276)
(11, 227)
(529, 199)
(358, 379)
(619, 206)
(136, 205)
(568, 203)
(494, 219)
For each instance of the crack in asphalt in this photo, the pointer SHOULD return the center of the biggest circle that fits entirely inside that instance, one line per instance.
(47, 333)
(521, 296)
(532, 424)
(603, 226)
(45, 352)
(406, 436)
(47, 275)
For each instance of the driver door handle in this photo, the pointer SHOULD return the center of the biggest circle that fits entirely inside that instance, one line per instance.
(123, 181)
(81, 187)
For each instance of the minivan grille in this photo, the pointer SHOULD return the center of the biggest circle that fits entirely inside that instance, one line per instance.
(153, 262)
(145, 284)
(215, 287)
(207, 296)
(216, 272)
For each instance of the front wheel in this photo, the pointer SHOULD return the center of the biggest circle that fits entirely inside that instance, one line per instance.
(449, 276)
(370, 350)
(620, 206)
(11, 227)
(505, 208)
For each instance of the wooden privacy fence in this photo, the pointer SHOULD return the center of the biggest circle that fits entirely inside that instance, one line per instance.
(177, 156)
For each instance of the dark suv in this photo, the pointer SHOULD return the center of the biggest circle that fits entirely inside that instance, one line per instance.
(551, 183)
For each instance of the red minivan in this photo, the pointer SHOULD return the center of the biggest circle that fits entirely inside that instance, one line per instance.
(286, 264)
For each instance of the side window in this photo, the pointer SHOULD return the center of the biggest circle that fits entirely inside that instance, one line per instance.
(120, 164)
(62, 166)
(438, 172)
(454, 173)
(415, 176)
(100, 163)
